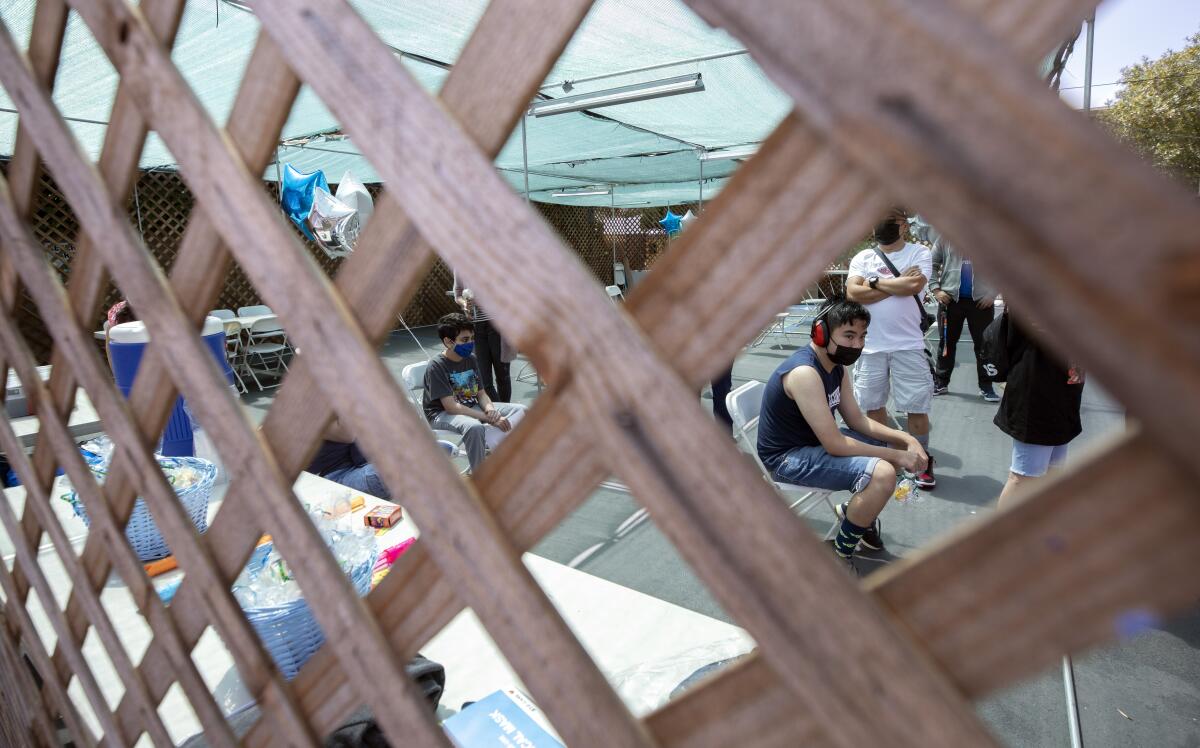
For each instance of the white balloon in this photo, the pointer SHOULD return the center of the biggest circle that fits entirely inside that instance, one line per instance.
(352, 192)
(687, 220)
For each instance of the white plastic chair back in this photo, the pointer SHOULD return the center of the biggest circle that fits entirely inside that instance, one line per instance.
(414, 377)
(251, 311)
(614, 293)
(223, 314)
(745, 405)
(266, 327)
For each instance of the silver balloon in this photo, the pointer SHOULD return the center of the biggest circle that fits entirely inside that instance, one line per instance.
(334, 224)
(354, 193)
(687, 220)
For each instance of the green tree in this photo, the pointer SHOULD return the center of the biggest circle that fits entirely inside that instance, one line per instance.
(1158, 110)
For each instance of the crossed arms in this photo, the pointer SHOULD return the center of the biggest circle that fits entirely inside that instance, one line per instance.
(910, 283)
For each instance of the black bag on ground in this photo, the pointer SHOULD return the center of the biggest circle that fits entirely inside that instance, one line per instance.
(359, 730)
(996, 358)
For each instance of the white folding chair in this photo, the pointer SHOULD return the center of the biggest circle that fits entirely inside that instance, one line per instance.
(778, 326)
(233, 351)
(413, 379)
(266, 342)
(744, 405)
(223, 314)
(253, 311)
(614, 293)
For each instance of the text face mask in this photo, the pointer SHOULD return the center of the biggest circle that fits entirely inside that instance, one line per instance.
(464, 349)
(844, 355)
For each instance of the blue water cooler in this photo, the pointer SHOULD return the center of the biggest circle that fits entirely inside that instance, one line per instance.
(127, 343)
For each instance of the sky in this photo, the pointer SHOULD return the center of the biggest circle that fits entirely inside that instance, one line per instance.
(1126, 31)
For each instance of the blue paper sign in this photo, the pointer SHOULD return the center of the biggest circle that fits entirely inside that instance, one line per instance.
(498, 722)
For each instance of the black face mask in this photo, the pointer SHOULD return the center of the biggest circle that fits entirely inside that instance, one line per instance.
(887, 233)
(844, 355)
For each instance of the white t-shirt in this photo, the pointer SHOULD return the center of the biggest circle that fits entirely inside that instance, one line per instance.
(896, 320)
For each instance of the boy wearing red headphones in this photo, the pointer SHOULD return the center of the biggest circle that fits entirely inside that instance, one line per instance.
(800, 442)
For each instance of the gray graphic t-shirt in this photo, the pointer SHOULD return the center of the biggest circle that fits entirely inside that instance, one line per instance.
(445, 377)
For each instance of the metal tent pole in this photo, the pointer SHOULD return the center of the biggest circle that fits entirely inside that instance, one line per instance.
(628, 71)
(278, 175)
(1087, 65)
(1072, 704)
(137, 206)
(525, 157)
(525, 166)
(612, 205)
(700, 206)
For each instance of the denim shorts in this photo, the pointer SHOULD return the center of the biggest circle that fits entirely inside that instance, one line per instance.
(813, 467)
(1033, 460)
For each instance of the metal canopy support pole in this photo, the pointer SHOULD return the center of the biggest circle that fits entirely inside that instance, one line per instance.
(278, 175)
(700, 206)
(1072, 704)
(612, 204)
(525, 168)
(1087, 65)
(525, 157)
(137, 207)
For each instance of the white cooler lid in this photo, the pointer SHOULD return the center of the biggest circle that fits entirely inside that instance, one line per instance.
(135, 332)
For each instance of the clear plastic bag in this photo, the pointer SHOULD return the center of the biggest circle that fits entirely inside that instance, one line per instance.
(652, 683)
(907, 492)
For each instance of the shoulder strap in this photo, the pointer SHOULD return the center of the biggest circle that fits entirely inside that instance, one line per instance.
(883, 256)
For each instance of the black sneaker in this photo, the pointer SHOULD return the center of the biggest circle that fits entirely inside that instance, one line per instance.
(847, 560)
(940, 389)
(989, 394)
(926, 480)
(872, 538)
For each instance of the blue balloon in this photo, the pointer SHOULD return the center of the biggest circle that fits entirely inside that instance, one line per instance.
(298, 195)
(671, 223)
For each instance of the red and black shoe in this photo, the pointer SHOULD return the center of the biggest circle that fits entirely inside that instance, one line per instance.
(925, 480)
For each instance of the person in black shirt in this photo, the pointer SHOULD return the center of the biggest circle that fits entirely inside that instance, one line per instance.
(1039, 409)
(338, 459)
(800, 443)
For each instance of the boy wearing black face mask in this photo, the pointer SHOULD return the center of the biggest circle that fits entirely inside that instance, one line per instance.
(800, 443)
(454, 399)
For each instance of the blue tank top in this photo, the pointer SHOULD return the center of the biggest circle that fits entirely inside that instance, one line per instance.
(781, 426)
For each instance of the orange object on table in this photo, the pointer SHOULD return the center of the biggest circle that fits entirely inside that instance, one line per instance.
(161, 566)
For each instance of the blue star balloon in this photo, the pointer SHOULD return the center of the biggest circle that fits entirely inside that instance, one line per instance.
(298, 195)
(671, 223)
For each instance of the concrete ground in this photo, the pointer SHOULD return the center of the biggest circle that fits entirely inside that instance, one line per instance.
(1140, 692)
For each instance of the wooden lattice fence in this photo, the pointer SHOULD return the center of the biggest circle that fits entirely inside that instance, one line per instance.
(932, 102)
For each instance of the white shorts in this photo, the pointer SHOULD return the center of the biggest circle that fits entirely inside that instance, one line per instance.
(902, 374)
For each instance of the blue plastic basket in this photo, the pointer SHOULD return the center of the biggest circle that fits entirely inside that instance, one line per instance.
(148, 543)
(289, 632)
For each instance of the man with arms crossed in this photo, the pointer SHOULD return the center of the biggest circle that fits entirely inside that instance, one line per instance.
(800, 443)
(894, 361)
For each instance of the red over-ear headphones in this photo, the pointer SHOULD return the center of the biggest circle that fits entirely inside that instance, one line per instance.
(820, 332)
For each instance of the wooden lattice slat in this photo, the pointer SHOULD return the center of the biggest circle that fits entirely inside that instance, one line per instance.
(380, 283)
(922, 647)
